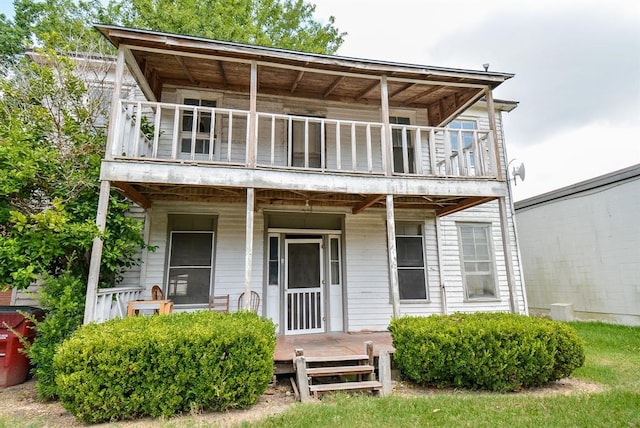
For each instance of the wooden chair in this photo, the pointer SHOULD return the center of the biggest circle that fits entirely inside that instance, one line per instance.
(219, 303)
(253, 304)
(157, 293)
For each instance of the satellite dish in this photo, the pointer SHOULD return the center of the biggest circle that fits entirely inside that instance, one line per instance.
(518, 172)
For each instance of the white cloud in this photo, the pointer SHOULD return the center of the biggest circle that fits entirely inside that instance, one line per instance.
(577, 65)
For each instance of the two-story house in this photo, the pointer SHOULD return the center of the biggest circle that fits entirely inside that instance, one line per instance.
(343, 191)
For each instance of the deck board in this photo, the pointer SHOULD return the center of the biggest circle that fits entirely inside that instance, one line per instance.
(330, 344)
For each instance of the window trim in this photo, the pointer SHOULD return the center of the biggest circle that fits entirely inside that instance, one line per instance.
(210, 136)
(488, 226)
(425, 269)
(167, 264)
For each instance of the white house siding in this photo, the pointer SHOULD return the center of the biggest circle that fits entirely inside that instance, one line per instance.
(229, 256)
(485, 213)
(583, 248)
(367, 271)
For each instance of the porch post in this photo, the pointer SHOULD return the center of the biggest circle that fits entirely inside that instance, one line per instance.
(252, 149)
(115, 105)
(508, 260)
(387, 144)
(393, 258)
(491, 109)
(248, 257)
(96, 253)
(443, 290)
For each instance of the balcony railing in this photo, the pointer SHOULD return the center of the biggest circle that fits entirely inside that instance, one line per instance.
(212, 135)
(112, 302)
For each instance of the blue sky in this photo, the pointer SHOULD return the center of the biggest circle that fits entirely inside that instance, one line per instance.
(577, 66)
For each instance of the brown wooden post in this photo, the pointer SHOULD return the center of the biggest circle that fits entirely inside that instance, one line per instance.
(96, 254)
(393, 258)
(368, 349)
(248, 259)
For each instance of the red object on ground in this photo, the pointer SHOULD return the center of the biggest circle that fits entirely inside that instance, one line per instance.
(14, 365)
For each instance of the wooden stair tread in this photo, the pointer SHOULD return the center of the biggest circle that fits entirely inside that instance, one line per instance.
(345, 386)
(340, 370)
(334, 359)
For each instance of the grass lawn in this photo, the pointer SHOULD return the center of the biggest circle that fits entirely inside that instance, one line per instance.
(612, 361)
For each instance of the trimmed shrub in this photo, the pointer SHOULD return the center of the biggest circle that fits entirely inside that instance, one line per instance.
(491, 351)
(164, 365)
(63, 298)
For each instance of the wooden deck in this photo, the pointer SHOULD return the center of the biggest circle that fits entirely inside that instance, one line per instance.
(327, 345)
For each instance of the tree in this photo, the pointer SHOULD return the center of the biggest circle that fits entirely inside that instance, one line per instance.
(285, 24)
(52, 140)
(51, 144)
(288, 24)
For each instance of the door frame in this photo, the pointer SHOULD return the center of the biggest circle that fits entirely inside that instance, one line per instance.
(320, 289)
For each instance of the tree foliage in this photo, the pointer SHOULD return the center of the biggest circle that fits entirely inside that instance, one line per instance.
(288, 24)
(51, 144)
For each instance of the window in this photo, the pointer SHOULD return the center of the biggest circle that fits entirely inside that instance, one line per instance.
(201, 124)
(466, 136)
(396, 138)
(334, 258)
(298, 135)
(274, 260)
(190, 266)
(478, 266)
(411, 264)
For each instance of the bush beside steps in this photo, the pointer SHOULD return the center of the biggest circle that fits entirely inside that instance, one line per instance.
(165, 365)
(489, 351)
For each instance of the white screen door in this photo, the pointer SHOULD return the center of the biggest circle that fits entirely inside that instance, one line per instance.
(303, 286)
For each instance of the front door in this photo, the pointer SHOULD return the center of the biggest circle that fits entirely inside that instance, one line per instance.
(304, 279)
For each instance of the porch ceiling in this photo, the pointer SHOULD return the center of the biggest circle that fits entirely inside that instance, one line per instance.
(157, 60)
(145, 194)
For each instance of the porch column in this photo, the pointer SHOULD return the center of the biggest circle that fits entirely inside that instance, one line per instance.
(248, 257)
(115, 104)
(508, 259)
(443, 290)
(387, 145)
(252, 149)
(393, 258)
(96, 253)
(491, 109)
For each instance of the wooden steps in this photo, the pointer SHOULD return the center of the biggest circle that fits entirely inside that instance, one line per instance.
(318, 374)
(372, 385)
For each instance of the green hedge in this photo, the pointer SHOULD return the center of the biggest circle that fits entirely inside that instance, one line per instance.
(163, 365)
(492, 351)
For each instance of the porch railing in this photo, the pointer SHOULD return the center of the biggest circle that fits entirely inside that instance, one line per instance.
(112, 302)
(174, 132)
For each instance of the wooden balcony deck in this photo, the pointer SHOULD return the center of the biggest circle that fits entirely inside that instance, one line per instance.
(327, 345)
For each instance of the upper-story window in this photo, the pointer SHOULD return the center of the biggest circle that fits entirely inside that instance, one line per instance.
(466, 134)
(306, 144)
(398, 151)
(201, 124)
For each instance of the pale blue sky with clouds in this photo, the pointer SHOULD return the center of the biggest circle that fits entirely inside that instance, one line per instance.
(577, 66)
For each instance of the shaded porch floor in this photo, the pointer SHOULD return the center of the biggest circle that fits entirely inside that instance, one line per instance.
(327, 345)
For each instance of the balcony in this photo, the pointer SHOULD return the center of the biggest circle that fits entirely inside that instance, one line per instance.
(173, 133)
